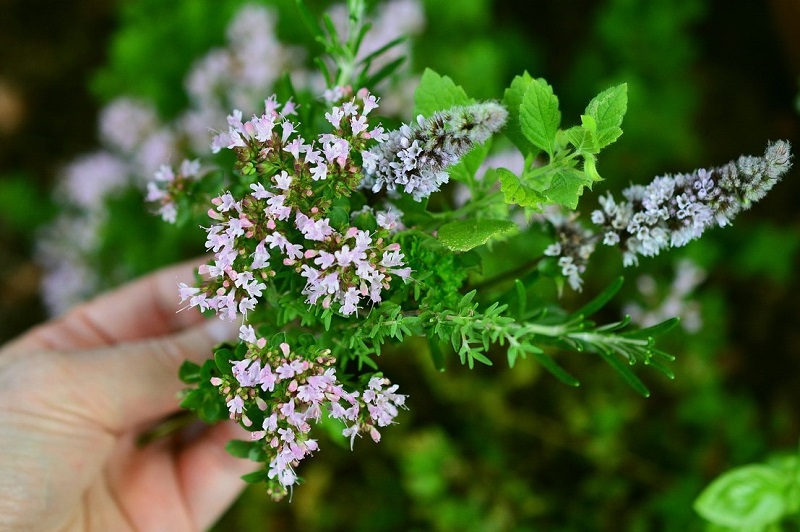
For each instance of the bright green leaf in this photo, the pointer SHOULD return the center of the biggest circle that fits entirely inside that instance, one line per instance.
(539, 116)
(747, 497)
(512, 99)
(516, 192)
(567, 186)
(437, 93)
(607, 109)
(463, 235)
(590, 167)
(583, 139)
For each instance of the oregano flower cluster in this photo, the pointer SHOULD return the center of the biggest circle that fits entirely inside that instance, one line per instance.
(279, 394)
(292, 227)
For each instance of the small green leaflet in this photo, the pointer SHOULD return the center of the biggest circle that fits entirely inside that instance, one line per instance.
(463, 235)
(607, 109)
(567, 186)
(515, 191)
(539, 116)
(437, 93)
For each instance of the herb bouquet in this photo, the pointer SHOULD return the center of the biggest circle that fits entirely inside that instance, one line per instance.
(339, 232)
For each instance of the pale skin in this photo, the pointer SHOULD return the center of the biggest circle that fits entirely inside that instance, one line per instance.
(75, 395)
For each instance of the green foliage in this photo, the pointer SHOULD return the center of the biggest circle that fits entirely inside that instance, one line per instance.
(463, 235)
(752, 497)
(607, 110)
(437, 93)
(24, 210)
(617, 453)
(534, 125)
(539, 117)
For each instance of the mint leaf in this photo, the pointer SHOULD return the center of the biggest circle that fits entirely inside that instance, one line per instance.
(539, 116)
(437, 93)
(584, 140)
(607, 109)
(463, 235)
(567, 186)
(516, 192)
(747, 497)
(512, 99)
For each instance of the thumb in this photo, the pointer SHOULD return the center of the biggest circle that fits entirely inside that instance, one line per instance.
(131, 383)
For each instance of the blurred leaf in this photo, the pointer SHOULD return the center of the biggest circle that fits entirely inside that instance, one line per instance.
(25, 207)
(746, 497)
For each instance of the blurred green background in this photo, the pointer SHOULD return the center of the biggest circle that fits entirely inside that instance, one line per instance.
(492, 448)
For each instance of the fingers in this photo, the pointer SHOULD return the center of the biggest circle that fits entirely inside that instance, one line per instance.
(137, 382)
(209, 476)
(144, 308)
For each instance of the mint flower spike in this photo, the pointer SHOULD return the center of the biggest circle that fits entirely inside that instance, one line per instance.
(416, 157)
(673, 210)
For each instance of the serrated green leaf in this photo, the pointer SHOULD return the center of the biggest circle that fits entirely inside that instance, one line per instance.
(567, 186)
(512, 99)
(747, 497)
(437, 93)
(539, 116)
(583, 139)
(589, 123)
(516, 192)
(463, 235)
(608, 109)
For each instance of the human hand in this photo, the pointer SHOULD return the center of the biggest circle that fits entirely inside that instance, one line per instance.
(76, 393)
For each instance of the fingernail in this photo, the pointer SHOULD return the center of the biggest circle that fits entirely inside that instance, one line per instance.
(222, 330)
